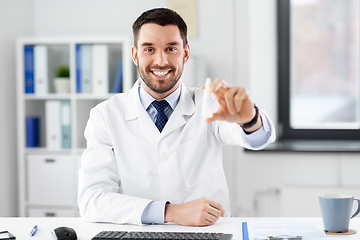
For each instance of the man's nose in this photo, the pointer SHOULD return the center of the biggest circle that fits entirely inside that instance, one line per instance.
(161, 58)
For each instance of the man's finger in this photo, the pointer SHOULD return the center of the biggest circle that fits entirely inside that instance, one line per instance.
(218, 84)
(229, 99)
(211, 218)
(239, 98)
(217, 206)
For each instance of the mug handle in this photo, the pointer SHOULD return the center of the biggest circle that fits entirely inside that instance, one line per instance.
(358, 208)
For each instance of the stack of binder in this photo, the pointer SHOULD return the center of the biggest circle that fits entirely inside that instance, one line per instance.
(92, 70)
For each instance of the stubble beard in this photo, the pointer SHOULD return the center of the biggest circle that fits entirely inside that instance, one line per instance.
(160, 86)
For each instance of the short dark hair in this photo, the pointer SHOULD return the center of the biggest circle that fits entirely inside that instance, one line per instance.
(162, 17)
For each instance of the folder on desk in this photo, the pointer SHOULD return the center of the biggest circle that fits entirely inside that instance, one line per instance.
(245, 233)
(292, 229)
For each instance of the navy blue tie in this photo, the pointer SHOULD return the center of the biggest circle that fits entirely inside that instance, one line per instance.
(161, 118)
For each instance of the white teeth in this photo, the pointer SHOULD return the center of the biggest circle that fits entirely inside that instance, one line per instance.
(161, 73)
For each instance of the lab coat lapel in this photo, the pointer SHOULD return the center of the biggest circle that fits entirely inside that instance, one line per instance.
(136, 112)
(185, 107)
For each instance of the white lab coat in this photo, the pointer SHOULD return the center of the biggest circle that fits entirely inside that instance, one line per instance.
(128, 163)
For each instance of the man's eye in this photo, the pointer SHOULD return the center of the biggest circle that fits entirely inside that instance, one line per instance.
(149, 50)
(170, 49)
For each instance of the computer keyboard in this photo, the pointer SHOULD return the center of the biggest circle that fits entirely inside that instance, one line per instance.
(160, 235)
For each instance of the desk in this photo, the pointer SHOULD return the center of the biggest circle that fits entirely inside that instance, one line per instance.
(21, 227)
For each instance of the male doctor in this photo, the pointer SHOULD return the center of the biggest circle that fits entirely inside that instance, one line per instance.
(154, 161)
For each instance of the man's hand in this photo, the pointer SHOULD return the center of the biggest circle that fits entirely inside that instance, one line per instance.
(200, 212)
(234, 105)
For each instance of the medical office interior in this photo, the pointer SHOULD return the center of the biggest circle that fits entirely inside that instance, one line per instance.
(231, 39)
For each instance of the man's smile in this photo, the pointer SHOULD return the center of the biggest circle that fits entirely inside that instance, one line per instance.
(163, 73)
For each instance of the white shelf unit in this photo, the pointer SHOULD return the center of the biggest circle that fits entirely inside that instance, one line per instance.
(47, 179)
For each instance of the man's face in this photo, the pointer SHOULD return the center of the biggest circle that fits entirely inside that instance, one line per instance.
(160, 57)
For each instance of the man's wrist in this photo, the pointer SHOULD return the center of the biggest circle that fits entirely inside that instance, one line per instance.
(253, 121)
(167, 214)
(256, 127)
(254, 124)
(154, 213)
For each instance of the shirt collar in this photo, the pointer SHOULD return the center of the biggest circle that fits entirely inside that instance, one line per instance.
(146, 99)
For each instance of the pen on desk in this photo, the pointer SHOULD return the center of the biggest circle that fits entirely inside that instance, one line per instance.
(34, 230)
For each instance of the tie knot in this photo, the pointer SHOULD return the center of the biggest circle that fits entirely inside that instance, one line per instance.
(160, 105)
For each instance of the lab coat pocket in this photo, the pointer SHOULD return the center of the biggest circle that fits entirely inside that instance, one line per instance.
(197, 161)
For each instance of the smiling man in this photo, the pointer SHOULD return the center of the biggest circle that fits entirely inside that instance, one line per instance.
(151, 156)
(163, 54)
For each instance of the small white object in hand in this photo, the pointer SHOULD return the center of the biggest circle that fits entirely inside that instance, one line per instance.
(207, 100)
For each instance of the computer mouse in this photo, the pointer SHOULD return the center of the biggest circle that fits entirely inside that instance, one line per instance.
(64, 233)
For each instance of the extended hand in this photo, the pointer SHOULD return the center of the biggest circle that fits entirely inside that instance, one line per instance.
(200, 212)
(234, 104)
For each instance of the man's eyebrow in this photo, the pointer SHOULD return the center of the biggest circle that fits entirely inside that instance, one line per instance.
(173, 43)
(147, 44)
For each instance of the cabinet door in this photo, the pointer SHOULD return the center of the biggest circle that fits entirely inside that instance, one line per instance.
(51, 180)
(50, 212)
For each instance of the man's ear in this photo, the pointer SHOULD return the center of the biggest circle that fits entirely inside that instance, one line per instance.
(134, 53)
(186, 53)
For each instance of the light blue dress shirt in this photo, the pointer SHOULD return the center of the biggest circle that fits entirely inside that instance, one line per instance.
(155, 210)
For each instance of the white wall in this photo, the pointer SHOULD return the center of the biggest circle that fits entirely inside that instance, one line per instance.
(88, 17)
(15, 20)
(238, 40)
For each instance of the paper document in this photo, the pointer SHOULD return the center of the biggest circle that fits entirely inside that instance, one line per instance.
(306, 229)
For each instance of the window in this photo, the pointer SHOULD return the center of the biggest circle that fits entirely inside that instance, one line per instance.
(318, 67)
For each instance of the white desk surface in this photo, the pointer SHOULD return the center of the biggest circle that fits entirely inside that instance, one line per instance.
(21, 227)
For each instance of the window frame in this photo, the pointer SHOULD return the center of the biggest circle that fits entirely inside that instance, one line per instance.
(285, 131)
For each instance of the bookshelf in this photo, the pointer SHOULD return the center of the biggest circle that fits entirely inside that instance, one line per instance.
(47, 174)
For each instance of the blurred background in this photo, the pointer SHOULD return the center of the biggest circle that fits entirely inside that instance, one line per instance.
(236, 40)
